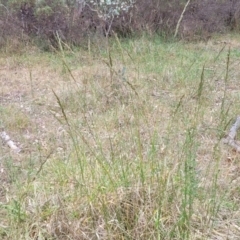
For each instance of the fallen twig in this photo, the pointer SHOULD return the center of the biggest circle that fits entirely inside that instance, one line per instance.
(7, 140)
(230, 138)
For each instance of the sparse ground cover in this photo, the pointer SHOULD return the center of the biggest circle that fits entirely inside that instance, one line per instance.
(121, 143)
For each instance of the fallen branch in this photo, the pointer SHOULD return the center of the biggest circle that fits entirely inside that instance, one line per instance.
(7, 140)
(230, 138)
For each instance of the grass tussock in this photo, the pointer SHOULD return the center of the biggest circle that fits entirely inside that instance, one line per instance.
(121, 143)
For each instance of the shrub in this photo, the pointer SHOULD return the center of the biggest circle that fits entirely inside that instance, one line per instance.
(75, 20)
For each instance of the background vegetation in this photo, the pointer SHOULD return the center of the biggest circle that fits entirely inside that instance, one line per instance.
(75, 21)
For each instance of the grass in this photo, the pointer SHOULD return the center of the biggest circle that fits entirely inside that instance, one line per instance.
(121, 143)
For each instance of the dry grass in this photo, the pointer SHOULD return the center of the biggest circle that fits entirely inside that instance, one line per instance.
(121, 145)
